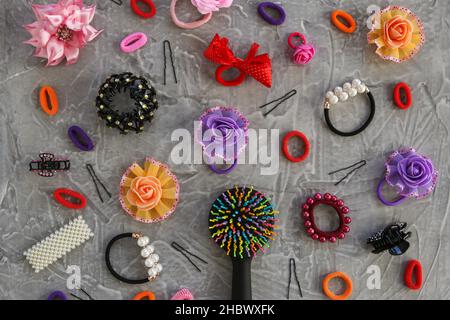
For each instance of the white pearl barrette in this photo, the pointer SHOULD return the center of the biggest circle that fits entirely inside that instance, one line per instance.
(148, 253)
(342, 94)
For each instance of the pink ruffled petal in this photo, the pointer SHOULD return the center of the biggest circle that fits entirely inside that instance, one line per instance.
(91, 33)
(40, 10)
(55, 20)
(55, 51)
(72, 54)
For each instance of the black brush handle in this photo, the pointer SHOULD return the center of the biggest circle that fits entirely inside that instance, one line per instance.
(242, 279)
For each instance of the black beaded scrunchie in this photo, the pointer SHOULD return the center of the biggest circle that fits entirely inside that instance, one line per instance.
(140, 91)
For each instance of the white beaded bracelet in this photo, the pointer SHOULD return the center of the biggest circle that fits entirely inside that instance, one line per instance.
(56, 245)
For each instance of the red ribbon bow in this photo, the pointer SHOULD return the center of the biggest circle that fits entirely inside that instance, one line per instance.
(258, 67)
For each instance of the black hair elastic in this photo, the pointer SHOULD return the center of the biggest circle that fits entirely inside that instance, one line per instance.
(145, 103)
(147, 253)
(342, 94)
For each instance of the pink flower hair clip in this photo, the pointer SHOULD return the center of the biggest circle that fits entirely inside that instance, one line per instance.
(61, 30)
(303, 52)
(205, 7)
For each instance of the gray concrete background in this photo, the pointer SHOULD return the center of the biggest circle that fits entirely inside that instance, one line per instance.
(28, 214)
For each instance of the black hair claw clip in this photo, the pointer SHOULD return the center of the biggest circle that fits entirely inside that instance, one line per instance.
(392, 238)
(48, 165)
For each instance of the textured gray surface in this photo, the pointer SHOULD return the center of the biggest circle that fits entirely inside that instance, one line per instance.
(27, 213)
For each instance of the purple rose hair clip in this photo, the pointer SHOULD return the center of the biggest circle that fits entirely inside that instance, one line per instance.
(223, 133)
(411, 174)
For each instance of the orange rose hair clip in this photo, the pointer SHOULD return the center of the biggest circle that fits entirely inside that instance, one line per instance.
(398, 33)
(149, 194)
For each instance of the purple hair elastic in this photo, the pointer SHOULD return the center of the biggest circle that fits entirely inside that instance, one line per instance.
(133, 42)
(80, 138)
(223, 133)
(262, 12)
(57, 295)
(411, 174)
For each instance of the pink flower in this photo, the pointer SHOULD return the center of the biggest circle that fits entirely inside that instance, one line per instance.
(303, 54)
(208, 6)
(61, 30)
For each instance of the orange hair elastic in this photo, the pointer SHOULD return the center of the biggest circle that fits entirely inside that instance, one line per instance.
(348, 283)
(144, 295)
(336, 14)
(48, 100)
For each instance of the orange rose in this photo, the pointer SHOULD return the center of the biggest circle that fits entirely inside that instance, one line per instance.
(398, 32)
(145, 192)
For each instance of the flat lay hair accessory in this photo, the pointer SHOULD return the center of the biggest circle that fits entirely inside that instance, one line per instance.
(57, 295)
(143, 94)
(187, 254)
(48, 165)
(293, 270)
(399, 88)
(303, 52)
(133, 42)
(141, 13)
(183, 294)
(348, 286)
(242, 222)
(97, 182)
(80, 138)
(354, 167)
(118, 2)
(398, 34)
(144, 295)
(168, 46)
(350, 24)
(62, 195)
(258, 67)
(309, 220)
(149, 194)
(48, 100)
(413, 269)
(205, 7)
(58, 244)
(392, 239)
(83, 291)
(343, 94)
(267, 17)
(411, 174)
(306, 143)
(147, 252)
(222, 133)
(278, 101)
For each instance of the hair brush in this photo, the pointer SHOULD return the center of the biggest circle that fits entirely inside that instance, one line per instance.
(241, 222)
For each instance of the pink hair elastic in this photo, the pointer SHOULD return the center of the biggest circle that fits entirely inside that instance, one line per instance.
(133, 42)
(304, 52)
(205, 7)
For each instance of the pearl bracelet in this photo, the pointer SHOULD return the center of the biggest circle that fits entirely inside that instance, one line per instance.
(342, 94)
(147, 252)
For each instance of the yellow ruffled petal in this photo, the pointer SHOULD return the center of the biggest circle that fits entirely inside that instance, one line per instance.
(169, 193)
(127, 182)
(143, 214)
(161, 209)
(152, 170)
(164, 178)
(137, 170)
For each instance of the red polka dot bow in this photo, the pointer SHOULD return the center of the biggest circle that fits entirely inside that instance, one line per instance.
(258, 67)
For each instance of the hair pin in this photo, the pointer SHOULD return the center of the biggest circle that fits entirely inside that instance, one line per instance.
(284, 98)
(118, 2)
(293, 269)
(79, 298)
(48, 165)
(169, 46)
(355, 167)
(185, 253)
(97, 181)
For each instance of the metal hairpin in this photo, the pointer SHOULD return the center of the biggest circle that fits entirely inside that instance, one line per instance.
(118, 2)
(293, 269)
(355, 167)
(185, 253)
(97, 181)
(169, 46)
(82, 290)
(284, 98)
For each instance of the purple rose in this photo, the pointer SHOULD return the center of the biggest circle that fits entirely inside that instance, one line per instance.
(413, 175)
(303, 54)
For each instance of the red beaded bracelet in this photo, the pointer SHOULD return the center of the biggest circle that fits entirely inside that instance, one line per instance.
(62, 194)
(288, 137)
(398, 98)
(309, 220)
(143, 14)
(416, 267)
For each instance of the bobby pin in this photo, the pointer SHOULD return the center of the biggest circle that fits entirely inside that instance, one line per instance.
(355, 167)
(82, 290)
(284, 98)
(171, 60)
(118, 2)
(293, 268)
(97, 181)
(185, 253)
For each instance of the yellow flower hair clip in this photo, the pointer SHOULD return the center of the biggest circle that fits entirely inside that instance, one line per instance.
(397, 32)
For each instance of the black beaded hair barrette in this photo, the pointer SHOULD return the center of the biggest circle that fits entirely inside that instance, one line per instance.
(143, 94)
(392, 238)
(48, 165)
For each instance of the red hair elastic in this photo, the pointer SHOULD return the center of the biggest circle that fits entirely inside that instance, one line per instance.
(398, 95)
(349, 20)
(415, 267)
(62, 194)
(143, 14)
(288, 137)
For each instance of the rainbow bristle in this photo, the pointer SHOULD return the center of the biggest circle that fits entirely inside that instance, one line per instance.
(242, 222)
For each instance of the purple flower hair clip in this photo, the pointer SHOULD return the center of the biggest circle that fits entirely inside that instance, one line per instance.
(223, 133)
(411, 174)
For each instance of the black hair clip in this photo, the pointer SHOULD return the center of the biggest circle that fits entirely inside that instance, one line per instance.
(279, 101)
(392, 238)
(48, 165)
(118, 2)
(97, 182)
(79, 298)
(185, 253)
(293, 269)
(166, 44)
(355, 167)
